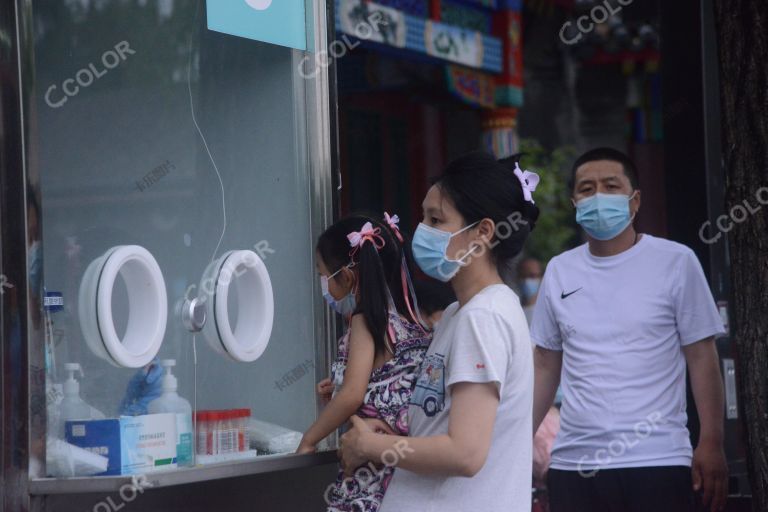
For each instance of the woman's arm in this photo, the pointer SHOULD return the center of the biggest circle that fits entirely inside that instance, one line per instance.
(350, 397)
(460, 452)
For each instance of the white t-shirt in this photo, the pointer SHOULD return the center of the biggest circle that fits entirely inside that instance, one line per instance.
(487, 340)
(621, 322)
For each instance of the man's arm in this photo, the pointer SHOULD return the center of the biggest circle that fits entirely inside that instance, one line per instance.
(710, 470)
(547, 365)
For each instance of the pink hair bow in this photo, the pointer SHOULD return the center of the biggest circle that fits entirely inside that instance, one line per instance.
(393, 222)
(367, 232)
(528, 180)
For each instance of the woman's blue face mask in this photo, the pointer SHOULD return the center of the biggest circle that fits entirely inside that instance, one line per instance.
(604, 216)
(429, 250)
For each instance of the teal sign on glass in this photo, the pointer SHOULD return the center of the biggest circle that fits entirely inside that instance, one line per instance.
(281, 22)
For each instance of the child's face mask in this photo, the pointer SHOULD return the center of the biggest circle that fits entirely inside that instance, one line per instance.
(345, 306)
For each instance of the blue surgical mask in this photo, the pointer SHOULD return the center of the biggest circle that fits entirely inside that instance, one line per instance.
(429, 246)
(345, 306)
(604, 216)
(529, 287)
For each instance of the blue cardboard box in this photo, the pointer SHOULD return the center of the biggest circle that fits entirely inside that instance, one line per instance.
(131, 444)
(101, 437)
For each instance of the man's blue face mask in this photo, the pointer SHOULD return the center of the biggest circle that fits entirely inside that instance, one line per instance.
(604, 216)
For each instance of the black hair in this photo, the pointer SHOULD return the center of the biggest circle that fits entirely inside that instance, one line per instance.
(434, 295)
(378, 271)
(481, 187)
(613, 155)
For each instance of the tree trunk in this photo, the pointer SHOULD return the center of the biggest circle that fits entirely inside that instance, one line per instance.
(743, 49)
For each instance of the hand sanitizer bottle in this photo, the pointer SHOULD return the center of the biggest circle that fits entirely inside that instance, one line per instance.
(170, 401)
(72, 406)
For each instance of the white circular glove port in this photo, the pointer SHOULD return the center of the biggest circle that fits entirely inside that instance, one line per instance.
(147, 306)
(255, 305)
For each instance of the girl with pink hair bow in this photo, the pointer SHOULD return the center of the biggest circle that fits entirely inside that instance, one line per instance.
(363, 275)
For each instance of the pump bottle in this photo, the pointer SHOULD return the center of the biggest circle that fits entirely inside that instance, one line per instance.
(171, 402)
(72, 406)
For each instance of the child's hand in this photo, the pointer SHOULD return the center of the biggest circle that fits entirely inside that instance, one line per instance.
(305, 448)
(325, 390)
(379, 426)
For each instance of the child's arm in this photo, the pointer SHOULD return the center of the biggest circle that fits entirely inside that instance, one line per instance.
(350, 397)
(460, 452)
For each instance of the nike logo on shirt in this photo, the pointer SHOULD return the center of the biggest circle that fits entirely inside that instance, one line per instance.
(564, 295)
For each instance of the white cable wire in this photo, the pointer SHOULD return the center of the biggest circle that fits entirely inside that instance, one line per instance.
(224, 222)
(194, 399)
(205, 143)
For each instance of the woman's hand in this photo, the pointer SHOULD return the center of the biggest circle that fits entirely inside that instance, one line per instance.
(352, 444)
(325, 390)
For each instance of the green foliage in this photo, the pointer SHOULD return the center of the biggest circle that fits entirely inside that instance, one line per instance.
(556, 229)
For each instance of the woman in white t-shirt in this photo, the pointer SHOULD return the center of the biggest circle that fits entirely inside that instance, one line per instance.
(470, 413)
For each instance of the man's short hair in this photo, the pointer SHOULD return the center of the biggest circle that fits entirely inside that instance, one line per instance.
(613, 155)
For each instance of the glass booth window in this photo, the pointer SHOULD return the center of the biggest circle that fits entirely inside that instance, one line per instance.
(177, 250)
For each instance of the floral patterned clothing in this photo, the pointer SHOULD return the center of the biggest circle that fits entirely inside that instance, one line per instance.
(387, 397)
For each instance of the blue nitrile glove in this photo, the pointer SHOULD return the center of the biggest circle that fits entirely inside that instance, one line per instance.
(144, 386)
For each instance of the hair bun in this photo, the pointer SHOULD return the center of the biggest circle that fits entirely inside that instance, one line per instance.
(531, 214)
(529, 210)
(511, 161)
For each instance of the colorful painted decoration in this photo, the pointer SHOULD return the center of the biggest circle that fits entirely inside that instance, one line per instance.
(500, 132)
(491, 4)
(509, 90)
(370, 21)
(454, 44)
(473, 87)
(413, 7)
(453, 13)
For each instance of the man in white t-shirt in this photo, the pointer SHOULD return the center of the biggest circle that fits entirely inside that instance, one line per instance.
(619, 318)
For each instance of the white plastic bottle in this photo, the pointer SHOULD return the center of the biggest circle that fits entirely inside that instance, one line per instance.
(72, 406)
(170, 401)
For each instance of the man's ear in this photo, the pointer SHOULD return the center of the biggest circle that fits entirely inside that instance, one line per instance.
(636, 201)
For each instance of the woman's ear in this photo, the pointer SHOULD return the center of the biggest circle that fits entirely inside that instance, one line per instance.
(486, 229)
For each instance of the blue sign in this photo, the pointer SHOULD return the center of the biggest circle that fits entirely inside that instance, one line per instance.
(280, 22)
(53, 301)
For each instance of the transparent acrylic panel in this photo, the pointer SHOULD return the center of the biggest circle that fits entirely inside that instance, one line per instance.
(148, 129)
